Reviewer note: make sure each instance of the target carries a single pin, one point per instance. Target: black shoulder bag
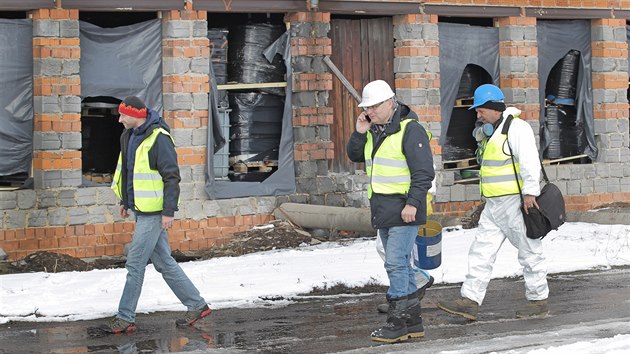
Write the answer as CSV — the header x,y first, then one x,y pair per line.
x,y
539,222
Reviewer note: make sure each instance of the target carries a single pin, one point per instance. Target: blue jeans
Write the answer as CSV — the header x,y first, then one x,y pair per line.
x,y
398,242
150,241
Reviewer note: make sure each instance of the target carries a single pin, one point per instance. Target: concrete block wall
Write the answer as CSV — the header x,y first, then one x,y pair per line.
x,y
585,186
606,180
56,101
417,75
312,117
59,216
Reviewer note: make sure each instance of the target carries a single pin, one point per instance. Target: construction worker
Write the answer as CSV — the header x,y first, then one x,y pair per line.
x,y
501,217
146,181
395,149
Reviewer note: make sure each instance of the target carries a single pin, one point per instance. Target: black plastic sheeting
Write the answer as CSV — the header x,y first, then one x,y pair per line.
x,y
16,96
255,123
280,182
562,81
472,77
459,143
461,45
219,46
255,116
566,135
247,64
555,40
122,61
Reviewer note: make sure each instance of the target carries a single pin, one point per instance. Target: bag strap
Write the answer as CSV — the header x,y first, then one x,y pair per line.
x,y
520,191
542,167
506,127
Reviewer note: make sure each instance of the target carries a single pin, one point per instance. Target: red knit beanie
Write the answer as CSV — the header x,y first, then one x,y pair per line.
x,y
133,107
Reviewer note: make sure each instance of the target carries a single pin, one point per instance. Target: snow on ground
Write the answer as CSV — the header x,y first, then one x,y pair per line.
x,y
246,280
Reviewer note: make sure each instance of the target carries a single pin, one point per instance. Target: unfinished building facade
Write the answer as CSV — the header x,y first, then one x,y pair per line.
x,y
259,117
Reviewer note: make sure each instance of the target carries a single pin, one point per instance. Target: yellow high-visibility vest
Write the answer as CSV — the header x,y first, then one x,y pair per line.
x,y
388,170
497,172
148,187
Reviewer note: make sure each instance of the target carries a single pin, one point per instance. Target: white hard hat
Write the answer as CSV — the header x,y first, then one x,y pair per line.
x,y
376,92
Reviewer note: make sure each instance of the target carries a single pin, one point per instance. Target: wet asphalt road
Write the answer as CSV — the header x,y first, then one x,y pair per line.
x,y
343,323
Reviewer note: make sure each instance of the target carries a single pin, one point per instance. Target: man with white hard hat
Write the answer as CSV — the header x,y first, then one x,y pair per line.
x,y
398,161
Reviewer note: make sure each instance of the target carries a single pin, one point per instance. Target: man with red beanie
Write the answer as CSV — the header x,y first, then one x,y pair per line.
x,y
147,181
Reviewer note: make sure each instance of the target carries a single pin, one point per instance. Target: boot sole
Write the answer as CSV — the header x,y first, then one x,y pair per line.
x,y
392,340
191,322
126,330
415,335
463,314
415,331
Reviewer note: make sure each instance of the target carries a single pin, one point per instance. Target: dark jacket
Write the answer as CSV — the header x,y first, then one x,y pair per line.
x,y
386,209
162,157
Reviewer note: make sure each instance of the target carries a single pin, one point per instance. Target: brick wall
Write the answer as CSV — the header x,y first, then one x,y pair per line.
x,y
606,179
84,222
585,186
57,105
312,117
58,216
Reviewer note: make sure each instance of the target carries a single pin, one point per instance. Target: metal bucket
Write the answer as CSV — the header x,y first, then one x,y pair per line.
x,y
427,252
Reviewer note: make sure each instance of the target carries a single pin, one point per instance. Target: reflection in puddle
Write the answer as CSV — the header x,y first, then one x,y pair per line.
x,y
298,328
179,344
150,340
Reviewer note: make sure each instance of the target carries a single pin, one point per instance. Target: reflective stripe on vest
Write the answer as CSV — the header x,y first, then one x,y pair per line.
x,y
497,173
148,187
388,170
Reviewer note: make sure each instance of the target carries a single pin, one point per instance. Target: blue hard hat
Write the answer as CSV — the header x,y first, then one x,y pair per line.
x,y
487,93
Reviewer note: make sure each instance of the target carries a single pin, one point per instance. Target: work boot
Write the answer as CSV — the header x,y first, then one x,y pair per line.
x,y
534,308
192,316
463,306
118,325
415,329
382,308
395,329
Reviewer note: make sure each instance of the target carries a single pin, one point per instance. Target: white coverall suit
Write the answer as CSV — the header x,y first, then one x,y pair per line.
x,y
502,218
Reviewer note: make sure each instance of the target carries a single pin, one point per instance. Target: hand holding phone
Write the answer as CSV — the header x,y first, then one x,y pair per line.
x,y
363,123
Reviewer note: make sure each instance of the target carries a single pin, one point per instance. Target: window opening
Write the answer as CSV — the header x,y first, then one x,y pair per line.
x,y
17,118
13,14
459,148
100,138
116,19
473,21
100,129
565,133
251,95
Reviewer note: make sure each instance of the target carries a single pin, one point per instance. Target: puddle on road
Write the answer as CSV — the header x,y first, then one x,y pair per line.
x,y
324,325
73,339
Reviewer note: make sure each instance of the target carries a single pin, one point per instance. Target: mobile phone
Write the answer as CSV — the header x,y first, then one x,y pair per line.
x,y
368,118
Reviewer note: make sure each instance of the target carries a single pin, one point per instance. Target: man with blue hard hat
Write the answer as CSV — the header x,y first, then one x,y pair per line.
x,y
503,179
